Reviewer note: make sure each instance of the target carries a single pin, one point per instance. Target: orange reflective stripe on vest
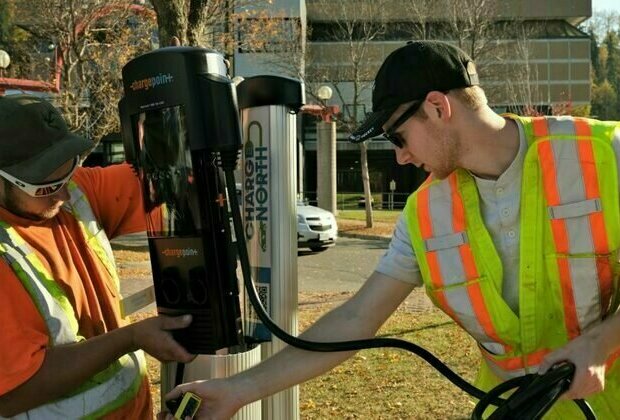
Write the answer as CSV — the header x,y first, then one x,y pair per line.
x,y
451,262
576,219
513,367
611,360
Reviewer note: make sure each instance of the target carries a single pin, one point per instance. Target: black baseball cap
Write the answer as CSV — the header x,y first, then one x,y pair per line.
x,y
408,74
34,138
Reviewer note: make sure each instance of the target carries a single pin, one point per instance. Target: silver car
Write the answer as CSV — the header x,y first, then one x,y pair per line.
x,y
316,228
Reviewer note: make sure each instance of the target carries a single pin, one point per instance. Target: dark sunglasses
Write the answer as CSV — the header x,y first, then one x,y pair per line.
x,y
391,135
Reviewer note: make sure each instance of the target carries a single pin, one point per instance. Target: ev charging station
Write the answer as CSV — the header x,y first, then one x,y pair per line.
x,y
268,169
181,128
183,136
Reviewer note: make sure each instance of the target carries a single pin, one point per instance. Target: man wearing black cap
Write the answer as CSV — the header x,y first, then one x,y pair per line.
x,y
515,235
64,352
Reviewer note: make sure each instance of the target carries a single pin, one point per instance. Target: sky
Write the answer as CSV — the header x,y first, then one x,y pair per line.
x,y
600,5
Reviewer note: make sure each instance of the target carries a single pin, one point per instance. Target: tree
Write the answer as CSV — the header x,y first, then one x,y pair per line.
x,y
605,101
605,57
602,22
185,18
475,27
468,23
612,44
224,25
355,25
519,81
276,40
5,26
91,39
472,25
14,41
595,57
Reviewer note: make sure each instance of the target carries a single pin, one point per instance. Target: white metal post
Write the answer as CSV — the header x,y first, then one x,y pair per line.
x,y
269,174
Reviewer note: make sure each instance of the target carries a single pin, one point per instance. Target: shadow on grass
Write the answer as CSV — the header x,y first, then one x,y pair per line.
x,y
401,333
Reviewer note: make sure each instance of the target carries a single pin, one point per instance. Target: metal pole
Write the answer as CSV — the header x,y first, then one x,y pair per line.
x,y
269,171
326,165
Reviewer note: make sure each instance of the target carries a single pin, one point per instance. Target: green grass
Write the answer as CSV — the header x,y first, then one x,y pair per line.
x,y
394,384
388,216
384,383
351,200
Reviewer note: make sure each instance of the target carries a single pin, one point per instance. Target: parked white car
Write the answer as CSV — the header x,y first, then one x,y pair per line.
x,y
316,228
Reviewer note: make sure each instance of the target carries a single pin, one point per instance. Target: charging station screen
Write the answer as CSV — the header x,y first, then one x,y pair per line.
x,y
166,173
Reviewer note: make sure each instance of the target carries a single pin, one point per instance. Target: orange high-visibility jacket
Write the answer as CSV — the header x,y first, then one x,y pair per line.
x,y
110,388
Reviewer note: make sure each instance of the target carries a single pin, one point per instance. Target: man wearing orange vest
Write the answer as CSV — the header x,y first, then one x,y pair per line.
x,y
515,236
65,351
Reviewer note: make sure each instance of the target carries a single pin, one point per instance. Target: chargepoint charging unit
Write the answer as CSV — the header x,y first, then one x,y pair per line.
x,y
179,118
179,115
182,134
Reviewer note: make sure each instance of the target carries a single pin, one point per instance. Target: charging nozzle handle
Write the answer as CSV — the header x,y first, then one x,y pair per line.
x,y
533,396
221,116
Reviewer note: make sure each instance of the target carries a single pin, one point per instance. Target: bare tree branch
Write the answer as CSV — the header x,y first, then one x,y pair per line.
x,y
82,33
354,25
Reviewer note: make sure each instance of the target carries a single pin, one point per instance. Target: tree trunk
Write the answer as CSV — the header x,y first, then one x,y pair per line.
x,y
366,183
171,21
196,20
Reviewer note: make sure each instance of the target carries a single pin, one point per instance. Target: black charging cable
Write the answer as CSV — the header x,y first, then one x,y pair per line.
x,y
537,390
533,395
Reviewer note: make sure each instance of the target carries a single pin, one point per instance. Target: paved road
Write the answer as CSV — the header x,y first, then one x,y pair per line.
x,y
342,268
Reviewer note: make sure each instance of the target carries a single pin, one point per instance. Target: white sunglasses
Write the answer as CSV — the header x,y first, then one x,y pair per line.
x,y
41,190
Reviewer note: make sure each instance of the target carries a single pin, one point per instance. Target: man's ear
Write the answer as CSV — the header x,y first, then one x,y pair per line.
x,y
439,105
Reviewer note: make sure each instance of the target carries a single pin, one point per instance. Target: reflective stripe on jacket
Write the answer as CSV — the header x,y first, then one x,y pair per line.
x,y
570,236
120,381
95,236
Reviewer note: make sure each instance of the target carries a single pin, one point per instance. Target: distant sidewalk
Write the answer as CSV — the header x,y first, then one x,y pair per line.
x,y
357,229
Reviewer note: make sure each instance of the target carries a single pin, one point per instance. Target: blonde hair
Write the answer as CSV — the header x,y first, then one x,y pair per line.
x,y
473,97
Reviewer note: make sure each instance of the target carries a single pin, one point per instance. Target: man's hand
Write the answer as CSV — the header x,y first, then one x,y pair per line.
x,y
589,356
53,380
358,318
218,399
154,337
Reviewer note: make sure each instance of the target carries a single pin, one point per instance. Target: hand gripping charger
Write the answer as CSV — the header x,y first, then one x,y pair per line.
x,y
178,116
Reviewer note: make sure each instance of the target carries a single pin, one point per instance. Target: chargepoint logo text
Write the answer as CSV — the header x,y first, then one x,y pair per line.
x,y
256,187
151,82
180,252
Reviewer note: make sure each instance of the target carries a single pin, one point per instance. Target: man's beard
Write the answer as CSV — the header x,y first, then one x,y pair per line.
x,y
11,203
450,150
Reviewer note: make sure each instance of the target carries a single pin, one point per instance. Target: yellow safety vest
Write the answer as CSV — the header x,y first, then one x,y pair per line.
x,y
568,272
120,381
